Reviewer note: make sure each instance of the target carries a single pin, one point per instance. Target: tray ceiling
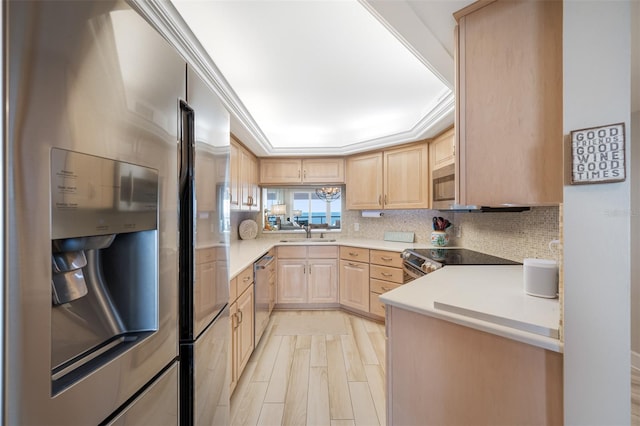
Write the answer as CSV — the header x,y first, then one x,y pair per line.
x,y
331,77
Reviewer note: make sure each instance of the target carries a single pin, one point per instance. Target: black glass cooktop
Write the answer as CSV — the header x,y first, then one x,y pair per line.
x,y
460,257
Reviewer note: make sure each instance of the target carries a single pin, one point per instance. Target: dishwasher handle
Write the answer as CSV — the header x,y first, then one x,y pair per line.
x,y
264,262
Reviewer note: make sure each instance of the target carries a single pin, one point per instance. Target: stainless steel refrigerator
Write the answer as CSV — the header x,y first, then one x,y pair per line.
x,y
93,124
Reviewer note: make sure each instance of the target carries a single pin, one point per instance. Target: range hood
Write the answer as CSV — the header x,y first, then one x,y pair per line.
x,y
470,208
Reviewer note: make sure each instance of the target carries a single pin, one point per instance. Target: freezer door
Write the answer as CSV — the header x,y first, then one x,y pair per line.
x,y
155,406
91,77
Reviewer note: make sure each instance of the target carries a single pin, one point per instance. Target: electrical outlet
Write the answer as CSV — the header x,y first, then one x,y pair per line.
x,y
457,230
356,227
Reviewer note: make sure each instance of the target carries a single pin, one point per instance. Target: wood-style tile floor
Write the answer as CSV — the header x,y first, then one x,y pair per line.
x,y
314,368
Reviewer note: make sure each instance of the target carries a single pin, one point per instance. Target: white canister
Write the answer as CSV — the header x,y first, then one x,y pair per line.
x,y
541,278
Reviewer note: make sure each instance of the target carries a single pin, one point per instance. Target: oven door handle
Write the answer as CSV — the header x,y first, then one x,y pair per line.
x,y
412,273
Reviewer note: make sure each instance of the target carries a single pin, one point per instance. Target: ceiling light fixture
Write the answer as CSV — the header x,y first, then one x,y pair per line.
x,y
328,194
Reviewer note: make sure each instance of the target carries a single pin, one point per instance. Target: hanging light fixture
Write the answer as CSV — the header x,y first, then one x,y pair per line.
x,y
328,193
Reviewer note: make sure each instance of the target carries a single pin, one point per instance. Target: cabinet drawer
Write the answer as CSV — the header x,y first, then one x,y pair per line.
x,y
386,258
323,252
292,252
245,278
354,253
386,273
379,286
205,255
376,307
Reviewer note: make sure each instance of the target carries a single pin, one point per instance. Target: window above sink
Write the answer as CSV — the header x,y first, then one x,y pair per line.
x,y
291,209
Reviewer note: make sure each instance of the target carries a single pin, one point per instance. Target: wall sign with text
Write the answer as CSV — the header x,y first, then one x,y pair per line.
x,y
597,154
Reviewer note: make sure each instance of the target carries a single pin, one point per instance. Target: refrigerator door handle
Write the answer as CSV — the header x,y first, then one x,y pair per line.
x,y
186,140
187,220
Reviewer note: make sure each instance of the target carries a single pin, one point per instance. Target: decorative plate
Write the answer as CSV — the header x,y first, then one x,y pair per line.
x,y
248,229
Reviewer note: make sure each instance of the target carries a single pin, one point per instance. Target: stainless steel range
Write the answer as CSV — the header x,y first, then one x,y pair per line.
x,y
419,262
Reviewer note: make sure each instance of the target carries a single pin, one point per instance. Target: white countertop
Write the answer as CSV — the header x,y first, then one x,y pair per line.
x,y
243,253
489,298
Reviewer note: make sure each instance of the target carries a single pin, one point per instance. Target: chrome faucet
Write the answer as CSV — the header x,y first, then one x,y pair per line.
x,y
308,230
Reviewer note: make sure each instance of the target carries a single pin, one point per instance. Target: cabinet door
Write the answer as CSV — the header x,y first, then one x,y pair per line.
x,y
245,328
323,170
280,170
323,280
406,178
354,285
233,315
249,170
292,281
235,186
245,178
442,150
254,189
364,181
510,104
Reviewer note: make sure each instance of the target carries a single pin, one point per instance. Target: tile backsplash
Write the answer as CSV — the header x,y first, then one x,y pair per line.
x,y
514,236
416,221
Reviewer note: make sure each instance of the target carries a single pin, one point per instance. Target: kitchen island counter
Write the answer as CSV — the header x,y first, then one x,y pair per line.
x,y
488,298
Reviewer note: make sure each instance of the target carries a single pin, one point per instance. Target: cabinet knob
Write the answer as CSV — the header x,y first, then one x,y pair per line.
x,y
380,199
386,274
386,258
351,253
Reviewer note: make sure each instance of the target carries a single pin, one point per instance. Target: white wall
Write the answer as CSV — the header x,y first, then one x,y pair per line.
x,y
635,183
597,264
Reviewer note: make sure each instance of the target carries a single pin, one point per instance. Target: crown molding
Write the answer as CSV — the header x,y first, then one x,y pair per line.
x,y
163,16
425,32
438,119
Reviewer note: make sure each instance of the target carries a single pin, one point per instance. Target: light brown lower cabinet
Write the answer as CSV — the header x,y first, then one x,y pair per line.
x,y
441,373
354,285
307,275
242,327
386,274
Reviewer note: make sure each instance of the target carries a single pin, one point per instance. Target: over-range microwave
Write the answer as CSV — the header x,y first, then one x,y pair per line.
x,y
443,187
444,194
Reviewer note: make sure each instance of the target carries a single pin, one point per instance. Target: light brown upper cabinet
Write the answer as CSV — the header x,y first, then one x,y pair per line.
x,y
308,170
244,191
509,102
234,177
442,150
392,179
442,164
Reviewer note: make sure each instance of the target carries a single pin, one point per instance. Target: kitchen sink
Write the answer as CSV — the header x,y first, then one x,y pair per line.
x,y
308,240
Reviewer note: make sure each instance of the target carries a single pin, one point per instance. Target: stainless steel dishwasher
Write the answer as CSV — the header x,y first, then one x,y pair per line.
x,y
265,291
